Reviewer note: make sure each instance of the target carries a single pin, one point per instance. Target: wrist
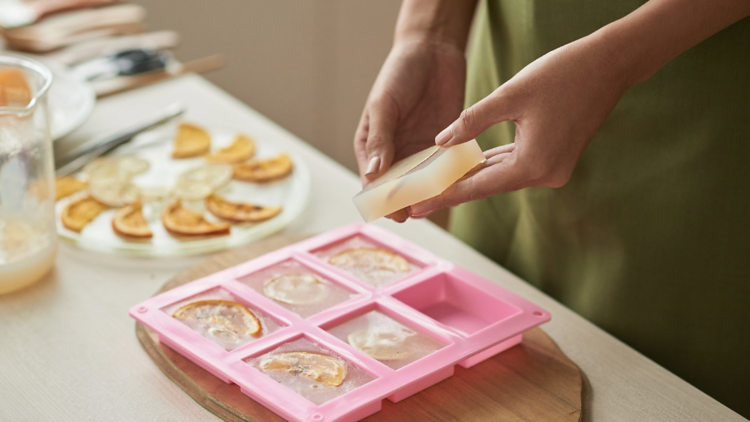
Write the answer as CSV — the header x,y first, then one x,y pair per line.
x,y
435,22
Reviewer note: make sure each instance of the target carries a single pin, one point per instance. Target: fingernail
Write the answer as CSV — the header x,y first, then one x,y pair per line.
x,y
373,166
446,135
414,214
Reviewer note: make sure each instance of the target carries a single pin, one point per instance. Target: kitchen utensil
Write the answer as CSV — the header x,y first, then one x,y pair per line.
x,y
123,63
112,86
473,318
82,155
27,191
534,381
86,50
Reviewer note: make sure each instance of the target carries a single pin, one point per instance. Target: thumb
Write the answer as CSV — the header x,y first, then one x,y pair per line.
x,y
379,145
492,109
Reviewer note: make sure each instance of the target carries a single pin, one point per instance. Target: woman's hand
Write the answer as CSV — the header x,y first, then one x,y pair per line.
x,y
419,91
557,103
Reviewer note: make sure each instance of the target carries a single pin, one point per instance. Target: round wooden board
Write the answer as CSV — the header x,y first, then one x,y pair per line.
x,y
533,381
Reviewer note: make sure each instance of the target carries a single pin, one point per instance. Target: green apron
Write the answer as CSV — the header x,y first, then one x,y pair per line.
x,y
650,239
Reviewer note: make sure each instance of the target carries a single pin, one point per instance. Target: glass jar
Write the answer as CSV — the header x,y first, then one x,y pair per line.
x,y
28,240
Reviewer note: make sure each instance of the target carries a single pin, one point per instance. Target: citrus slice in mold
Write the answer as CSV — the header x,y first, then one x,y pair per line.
x,y
241,149
315,366
295,289
78,214
130,222
223,319
182,221
368,260
382,344
190,141
262,171
241,212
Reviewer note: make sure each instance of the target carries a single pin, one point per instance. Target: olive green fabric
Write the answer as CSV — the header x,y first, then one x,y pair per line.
x,y
650,239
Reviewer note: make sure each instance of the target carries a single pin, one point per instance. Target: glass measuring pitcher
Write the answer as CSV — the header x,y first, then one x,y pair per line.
x,y
28,241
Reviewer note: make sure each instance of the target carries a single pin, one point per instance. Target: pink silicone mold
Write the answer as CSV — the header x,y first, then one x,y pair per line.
x,y
463,318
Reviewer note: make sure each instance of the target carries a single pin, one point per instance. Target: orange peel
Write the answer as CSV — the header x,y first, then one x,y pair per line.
x,y
241,149
262,171
78,214
182,221
240,212
130,222
190,141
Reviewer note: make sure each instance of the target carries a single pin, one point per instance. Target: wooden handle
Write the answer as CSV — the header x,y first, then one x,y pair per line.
x,y
113,86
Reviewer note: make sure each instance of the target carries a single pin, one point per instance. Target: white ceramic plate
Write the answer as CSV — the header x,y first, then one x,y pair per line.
x,y
71,101
156,147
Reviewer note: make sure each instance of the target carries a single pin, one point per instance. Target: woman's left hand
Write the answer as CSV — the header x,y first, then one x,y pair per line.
x,y
557,103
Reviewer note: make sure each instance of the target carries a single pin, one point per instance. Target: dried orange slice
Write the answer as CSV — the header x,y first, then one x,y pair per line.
x,y
242,148
130,222
78,214
191,141
321,368
264,170
295,289
14,88
182,221
68,185
240,212
367,260
223,319
382,344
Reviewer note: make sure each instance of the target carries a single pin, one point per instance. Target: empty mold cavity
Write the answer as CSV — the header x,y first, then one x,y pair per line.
x,y
385,339
367,261
310,370
455,303
297,288
213,315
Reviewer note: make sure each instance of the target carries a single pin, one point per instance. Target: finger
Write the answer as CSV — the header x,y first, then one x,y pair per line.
x,y
500,174
504,149
399,216
360,140
492,109
383,118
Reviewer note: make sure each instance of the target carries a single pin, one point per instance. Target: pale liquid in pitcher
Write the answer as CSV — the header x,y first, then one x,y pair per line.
x,y
26,253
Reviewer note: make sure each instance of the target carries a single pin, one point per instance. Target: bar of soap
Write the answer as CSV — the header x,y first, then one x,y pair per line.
x,y
416,178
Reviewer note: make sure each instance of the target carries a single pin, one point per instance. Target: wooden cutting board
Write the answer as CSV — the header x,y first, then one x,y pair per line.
x,y
533,381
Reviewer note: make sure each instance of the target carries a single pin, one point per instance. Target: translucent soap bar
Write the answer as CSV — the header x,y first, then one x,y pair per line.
x,y
416,178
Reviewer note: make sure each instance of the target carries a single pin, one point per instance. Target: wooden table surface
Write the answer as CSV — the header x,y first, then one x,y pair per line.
x,y
68,350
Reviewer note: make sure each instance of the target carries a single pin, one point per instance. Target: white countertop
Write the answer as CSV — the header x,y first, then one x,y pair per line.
x,y
68,350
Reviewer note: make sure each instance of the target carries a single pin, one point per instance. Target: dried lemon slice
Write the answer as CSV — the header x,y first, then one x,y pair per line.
x,y
15,90
80,213
153,193
116,168
264,170
190,141
382,344
240,212
322,368
215,175
295,289
68,185
113,192
130,222
182,221
223,319
242,148
368,260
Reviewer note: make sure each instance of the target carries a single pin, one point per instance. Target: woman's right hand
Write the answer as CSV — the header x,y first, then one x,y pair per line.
x,y
419,91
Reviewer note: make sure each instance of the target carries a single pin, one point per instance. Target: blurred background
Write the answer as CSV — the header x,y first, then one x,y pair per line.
x,y
307,65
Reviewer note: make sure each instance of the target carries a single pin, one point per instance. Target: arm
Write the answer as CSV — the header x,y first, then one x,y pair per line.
x,y
420,88
559,101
